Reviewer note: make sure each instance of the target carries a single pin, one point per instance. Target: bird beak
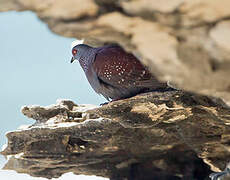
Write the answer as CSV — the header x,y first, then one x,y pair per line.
x,y
72,60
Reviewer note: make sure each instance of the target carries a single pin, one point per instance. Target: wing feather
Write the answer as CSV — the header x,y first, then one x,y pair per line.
x,y
119,69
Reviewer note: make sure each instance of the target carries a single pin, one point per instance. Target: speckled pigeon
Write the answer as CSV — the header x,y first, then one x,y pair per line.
x,y
115,73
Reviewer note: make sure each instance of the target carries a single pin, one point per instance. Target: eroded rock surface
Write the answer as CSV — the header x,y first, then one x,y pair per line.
x,y
170,135
162,135
183,41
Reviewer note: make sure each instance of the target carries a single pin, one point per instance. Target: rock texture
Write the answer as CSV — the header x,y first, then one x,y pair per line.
x,y
185,42
170,135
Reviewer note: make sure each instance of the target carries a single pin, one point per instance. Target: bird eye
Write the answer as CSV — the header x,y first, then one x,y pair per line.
x,y
74,52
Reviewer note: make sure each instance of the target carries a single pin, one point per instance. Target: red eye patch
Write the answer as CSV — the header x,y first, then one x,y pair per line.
x,y
74,52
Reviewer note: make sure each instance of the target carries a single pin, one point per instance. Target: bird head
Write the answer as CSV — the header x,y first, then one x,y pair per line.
x,y
77,50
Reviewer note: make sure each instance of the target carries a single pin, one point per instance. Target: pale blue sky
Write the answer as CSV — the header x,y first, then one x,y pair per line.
x,y
35,69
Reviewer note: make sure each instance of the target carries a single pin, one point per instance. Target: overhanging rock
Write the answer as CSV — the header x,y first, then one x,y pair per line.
x,y
181,41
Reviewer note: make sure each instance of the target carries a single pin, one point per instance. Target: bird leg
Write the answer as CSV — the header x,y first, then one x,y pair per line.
x,y
105,103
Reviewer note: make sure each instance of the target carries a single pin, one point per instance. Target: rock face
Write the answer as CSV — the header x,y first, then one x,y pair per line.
x,y
169,135
185,42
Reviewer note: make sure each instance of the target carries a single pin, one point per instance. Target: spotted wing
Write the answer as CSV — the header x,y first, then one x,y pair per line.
x,y
119,69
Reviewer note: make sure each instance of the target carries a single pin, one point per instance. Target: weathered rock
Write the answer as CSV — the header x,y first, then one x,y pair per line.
x,y
165,135
162,135
184,42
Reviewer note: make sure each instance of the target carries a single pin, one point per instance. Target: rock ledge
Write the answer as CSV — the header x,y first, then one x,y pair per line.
x,y
170,135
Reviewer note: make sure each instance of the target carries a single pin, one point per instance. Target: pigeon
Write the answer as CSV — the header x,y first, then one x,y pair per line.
x,y
115,73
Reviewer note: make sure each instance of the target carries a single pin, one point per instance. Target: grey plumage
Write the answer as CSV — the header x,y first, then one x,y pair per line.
x,y
115,73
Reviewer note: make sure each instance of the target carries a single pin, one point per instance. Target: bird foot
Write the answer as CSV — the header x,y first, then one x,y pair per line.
x,y
221,175
102,104
105,103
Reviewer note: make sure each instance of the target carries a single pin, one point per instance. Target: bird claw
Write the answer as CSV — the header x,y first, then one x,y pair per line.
x,y
105,103
102,104
221,175
217,176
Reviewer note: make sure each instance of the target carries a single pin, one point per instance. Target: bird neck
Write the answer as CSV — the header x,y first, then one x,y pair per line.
x,y
87,58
